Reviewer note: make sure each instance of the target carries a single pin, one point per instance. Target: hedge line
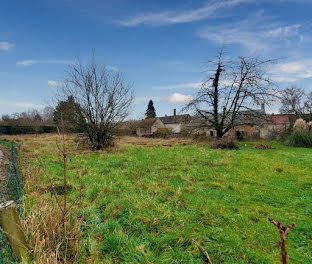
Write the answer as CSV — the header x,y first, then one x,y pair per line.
x,y
17,130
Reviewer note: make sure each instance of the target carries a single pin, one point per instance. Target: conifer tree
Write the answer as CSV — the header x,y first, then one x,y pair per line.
x,y
150,111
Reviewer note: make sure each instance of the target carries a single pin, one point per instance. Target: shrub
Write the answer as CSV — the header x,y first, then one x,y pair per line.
x,y
300,125
224,144
162,133
202,137
300,139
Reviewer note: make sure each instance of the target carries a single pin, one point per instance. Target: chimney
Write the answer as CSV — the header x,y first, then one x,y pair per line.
x,y
174,115
263,108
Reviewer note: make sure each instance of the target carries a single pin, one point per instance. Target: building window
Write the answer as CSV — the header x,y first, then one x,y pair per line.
x,y
211,133
240,134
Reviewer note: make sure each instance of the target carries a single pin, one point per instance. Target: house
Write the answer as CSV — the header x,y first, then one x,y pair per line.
x,y
126,127
276,124
149,126
175,123
247,124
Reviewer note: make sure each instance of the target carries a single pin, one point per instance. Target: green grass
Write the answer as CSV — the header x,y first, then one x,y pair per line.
x,y
6,143
146,204
6,255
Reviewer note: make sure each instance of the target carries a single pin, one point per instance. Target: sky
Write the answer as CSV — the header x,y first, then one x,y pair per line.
x,y
160,46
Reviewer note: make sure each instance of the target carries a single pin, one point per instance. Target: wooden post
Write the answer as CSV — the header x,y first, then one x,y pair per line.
x,y
11,225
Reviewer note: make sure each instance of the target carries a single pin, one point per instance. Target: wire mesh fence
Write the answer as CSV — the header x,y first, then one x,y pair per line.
x,y
10,190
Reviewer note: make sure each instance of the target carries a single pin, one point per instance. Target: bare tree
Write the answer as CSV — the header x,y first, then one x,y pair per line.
x,y
232,92
308,104
47,115
292,100
104,97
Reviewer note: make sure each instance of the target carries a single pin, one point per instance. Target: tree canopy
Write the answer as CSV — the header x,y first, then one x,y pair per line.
x,y
150,111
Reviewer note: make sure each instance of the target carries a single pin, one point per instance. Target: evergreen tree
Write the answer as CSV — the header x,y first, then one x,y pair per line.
x,y
150,111
71,113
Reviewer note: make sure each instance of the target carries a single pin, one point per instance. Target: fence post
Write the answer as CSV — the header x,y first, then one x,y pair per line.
x,y
11,225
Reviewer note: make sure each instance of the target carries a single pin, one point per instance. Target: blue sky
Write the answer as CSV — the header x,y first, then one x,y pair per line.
x,y
160,46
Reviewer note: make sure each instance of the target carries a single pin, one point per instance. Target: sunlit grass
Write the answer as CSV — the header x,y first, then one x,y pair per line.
x,y
146,203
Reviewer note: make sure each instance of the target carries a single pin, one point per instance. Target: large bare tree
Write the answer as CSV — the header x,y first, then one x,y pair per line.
x,y
293,101
231,92
308,104
104,97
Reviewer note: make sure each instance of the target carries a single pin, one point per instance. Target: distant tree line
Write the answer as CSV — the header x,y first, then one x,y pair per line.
x,y
28,122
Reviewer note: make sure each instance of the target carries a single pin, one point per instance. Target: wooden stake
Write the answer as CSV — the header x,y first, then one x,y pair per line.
x,y
11,225
283,235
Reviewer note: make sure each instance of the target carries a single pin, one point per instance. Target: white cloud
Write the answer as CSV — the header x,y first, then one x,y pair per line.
x,y
209,10
21,104
112,68
32,62
178,86
292,71
255,33
179,98
4,45
55,83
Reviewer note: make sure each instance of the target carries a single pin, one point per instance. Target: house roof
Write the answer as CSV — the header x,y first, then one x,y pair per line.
x,y
279,119
146,123
170,119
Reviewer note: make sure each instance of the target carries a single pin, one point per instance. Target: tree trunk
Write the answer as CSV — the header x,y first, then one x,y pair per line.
x,y
219,133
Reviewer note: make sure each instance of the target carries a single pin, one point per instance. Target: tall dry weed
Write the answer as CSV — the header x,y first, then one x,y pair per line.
x,y
52,227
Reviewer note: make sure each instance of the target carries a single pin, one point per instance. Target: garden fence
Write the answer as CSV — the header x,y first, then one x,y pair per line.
x,y
10,190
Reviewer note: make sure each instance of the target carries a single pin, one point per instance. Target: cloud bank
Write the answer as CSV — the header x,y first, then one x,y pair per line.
x,y
210,10
32,62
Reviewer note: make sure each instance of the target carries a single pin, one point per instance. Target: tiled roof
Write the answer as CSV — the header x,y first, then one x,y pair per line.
x,y
170,119
279,119
146,123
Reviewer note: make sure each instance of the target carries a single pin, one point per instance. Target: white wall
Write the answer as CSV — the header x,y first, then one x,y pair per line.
x,y
175,128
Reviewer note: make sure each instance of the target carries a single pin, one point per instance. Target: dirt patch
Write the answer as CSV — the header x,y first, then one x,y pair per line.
x,y
261,146
142,141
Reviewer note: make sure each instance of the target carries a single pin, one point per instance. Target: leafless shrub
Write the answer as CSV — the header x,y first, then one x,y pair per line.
x,y
104,99
224,144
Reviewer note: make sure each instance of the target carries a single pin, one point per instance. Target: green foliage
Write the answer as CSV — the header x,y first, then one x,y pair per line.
x,y
6,254
300,139
71,113
150,111
146,204
6,143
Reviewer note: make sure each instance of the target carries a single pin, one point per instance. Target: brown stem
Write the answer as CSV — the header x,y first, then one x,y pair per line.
x,y
283,235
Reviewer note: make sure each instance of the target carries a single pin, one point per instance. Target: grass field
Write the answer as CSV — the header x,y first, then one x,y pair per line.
x,y
146,200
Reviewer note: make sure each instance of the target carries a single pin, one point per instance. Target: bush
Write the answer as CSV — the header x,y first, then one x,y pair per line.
x,y
300,139
224,144
162,133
